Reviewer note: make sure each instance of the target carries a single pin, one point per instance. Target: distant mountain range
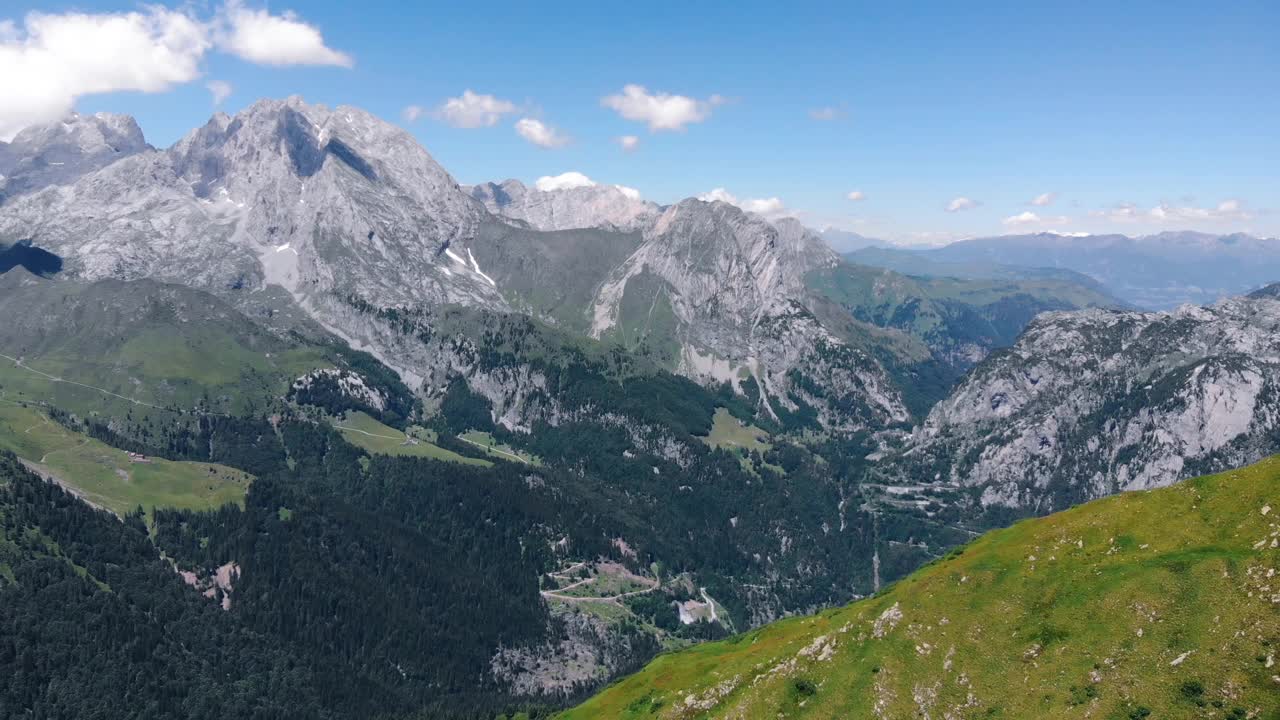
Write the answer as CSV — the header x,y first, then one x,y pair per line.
x,y
1155,272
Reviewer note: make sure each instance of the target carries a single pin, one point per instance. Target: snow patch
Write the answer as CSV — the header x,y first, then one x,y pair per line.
x,y
476,266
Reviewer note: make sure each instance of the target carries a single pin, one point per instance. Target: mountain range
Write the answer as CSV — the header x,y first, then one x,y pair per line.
x,y
543,432
331,205
1153,272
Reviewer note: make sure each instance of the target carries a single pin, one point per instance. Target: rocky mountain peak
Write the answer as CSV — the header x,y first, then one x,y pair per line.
x,y
83,135
60,152
499,196
568,202
1268,291
274,141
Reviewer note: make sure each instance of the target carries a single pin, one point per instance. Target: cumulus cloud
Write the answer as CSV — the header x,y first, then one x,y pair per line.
x,y
770,207
563,181
473,110
1227,210
660,111
411,113
220,90
1044,199
629,142
53,59
764,206
958,204
630,192
718,195
827,114
856,195
260,37
540,134
1028,218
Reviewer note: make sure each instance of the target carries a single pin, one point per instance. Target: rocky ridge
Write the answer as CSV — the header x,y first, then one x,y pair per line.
x,y
331,205
582,206
1094,402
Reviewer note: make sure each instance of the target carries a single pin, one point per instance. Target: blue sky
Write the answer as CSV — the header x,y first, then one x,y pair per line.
x,y
1140,118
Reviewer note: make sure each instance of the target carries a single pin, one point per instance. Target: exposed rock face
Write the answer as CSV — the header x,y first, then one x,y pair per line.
x,y
1095,402
284,193
587,206
334,204
58,153
330,205
735,285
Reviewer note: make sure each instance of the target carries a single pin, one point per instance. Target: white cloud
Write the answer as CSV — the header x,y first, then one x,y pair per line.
x,y
563,181
1044,199
770,207
220,90
1124,212
1026,218
661,111
411,113
540,134
827,114
764,206
958,204
856,195
718,195
266,39
54,59
629,142
473,110
574,179
1227,210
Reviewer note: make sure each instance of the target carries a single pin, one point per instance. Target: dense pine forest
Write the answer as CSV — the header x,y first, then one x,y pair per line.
x,y
371,585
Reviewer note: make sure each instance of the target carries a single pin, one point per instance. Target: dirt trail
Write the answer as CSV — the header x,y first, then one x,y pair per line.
x,y
610,599
365,432
45,457
710,603
490,448
18,363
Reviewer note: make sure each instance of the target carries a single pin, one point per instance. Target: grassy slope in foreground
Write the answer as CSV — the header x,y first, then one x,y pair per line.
x,y
1161,604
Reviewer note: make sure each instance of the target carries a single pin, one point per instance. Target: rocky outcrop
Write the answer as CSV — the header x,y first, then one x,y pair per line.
x,y
735,284
59,153
567,208
1095,402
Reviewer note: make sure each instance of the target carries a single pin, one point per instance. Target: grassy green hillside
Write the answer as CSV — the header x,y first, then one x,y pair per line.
x,y
375,438
108,478
1160,604
140,348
